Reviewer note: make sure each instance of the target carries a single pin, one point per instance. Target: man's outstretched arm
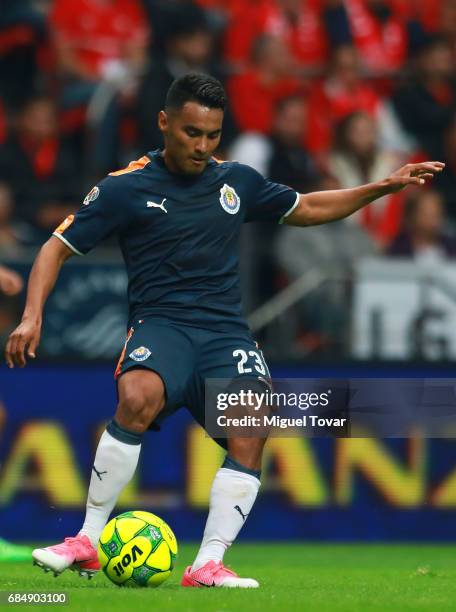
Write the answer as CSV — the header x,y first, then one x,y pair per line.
x,y
324,206
25,338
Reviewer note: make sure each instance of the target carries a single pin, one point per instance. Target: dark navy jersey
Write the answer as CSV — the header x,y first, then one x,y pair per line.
x,y
179,234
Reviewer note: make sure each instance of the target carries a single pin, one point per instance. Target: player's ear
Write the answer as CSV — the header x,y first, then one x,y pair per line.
x,y
162,121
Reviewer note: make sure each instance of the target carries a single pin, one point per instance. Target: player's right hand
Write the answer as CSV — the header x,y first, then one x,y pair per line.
x,y
22,343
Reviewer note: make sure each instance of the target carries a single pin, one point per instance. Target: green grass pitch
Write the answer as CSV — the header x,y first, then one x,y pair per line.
x,y
300,576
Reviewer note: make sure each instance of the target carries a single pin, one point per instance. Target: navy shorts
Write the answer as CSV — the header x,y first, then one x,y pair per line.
x,y
185,356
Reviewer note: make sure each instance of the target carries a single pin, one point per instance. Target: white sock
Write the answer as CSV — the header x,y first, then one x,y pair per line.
x,y
115,463
232,493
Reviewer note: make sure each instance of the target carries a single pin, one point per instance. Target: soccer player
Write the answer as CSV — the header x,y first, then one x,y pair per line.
x,y
178,215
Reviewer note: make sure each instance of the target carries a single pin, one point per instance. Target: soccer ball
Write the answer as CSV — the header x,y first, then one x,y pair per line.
x,y
137,549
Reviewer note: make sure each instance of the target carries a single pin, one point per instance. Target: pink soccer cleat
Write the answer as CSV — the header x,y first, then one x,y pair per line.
x,y
76,554
213,574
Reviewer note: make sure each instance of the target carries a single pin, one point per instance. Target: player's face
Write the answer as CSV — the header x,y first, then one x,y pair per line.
x,y
191,136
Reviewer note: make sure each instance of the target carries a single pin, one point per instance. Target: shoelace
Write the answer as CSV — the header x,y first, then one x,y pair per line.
x,y
69,540
220,567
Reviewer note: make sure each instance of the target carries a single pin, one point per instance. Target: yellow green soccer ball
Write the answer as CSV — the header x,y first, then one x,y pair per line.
x,y
137,549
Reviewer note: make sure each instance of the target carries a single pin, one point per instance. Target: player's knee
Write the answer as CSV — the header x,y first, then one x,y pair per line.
x,y
136,410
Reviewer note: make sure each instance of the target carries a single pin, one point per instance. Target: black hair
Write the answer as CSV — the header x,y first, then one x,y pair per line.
x,y
187,20
195,87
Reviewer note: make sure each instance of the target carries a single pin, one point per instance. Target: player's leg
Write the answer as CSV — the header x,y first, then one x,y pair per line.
x,y
146,380
141,398
232,496
237,482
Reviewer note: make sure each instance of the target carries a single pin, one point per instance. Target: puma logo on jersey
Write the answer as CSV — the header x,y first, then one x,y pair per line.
x,y
155,205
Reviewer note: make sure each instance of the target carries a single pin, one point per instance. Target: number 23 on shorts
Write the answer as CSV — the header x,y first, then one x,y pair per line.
x,y
249,361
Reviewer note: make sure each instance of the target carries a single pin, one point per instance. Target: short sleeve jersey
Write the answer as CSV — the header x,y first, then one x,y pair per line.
x,y
179,235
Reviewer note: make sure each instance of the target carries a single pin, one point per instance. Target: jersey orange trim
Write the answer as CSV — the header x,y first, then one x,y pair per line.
x,y
137,164
219,161
122,355
64,225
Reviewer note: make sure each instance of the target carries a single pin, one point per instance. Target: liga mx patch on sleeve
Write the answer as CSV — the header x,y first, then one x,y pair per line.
x,y
140,354
91,196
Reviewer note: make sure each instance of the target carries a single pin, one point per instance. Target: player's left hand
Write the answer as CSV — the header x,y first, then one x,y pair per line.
x,y
413,174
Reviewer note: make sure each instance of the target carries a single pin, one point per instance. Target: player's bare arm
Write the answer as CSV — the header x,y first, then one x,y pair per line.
x,y
324,206
24,340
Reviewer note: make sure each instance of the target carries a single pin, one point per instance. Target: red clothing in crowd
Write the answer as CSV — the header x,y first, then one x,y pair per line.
x,y
384,227
99,30
229,6
382,47
306,39
19,36
253,103
328,103
42,158
427,12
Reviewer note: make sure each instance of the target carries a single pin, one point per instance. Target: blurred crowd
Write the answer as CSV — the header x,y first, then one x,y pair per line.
x,y
323,94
